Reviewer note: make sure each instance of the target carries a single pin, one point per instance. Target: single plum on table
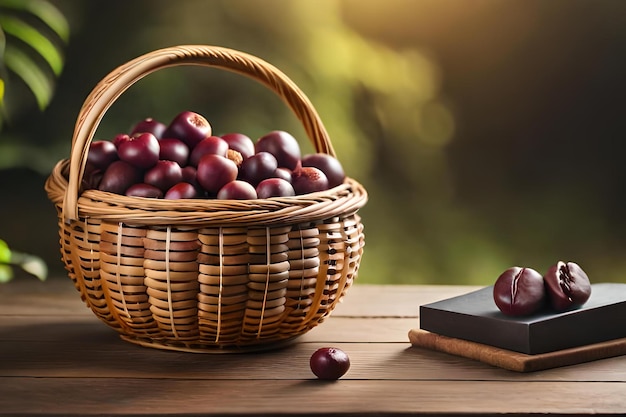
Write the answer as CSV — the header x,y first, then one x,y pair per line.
x,y
329,363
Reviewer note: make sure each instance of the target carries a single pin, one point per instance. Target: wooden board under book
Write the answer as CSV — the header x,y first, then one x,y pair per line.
x,y
471,326
515,361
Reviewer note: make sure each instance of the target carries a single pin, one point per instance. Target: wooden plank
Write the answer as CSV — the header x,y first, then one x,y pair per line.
x,y
31,297
365,330
394,300
141,397
86,350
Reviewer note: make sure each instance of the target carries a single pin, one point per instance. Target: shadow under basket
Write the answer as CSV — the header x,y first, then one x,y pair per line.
x,y
206,275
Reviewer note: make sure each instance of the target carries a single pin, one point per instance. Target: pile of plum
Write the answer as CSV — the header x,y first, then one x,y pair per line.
x,y
183,159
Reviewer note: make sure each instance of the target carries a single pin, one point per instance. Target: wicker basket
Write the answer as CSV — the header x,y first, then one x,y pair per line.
x,y
206,275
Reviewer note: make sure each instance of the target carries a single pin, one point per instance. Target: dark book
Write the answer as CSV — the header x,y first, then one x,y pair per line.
x,y
475,317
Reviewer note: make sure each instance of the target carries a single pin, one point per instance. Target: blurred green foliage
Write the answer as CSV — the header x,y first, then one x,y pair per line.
x,y
32,33
466,123
31,264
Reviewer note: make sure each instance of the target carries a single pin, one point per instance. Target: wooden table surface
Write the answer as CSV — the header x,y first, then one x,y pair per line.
x,y
56,358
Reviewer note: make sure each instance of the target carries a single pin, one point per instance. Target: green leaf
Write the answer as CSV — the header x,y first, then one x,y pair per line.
x,y
3,41
19,52
6,273
34,265
22,65
45,11
2,48
35,39
5,253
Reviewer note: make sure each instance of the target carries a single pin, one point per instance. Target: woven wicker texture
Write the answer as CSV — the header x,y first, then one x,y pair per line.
x,y
206,275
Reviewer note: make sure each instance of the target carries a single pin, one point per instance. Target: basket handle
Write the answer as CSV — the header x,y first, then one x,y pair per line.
x,y
119,80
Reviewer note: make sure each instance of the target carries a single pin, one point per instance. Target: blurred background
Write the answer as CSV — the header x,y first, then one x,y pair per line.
x,y
488,133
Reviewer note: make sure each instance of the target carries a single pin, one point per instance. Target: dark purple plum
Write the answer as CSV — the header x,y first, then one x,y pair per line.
x,y
120,138
237,190
188,126
209,145
328,164
164,175
91,177
567,285
283,146
240,143
181,190
119,176
274,187
214,172
142,151
149,125
174,150
144,190
519,291
308,180
258,167
189,175
102,153
329,363
283,173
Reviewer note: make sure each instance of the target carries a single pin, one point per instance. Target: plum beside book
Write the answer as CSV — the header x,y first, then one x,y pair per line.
x,y
475,317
